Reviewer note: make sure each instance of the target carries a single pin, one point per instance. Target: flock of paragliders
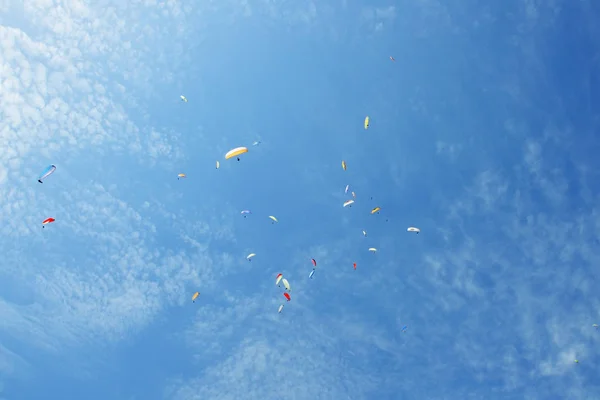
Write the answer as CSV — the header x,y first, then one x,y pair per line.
x,y
237,152
279,279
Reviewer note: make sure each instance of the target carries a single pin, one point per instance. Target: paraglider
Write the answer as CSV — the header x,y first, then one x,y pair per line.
x,y
346,190
353,195
354,266
413,229
47,221
180,176
373,249
278,279
218,165
244,212
375,210
273,219
344,165
46,173
183,98
365,233
195,296
392,58
367,122
314,262
311,274
280,308
286,284
348,203
256,143
235,152
404,328
249,256
287,296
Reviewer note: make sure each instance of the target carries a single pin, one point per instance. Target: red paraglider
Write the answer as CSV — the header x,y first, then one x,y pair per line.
x,y
314,262
47,221
287,296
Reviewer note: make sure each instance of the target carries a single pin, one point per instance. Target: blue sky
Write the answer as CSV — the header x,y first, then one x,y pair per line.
x,y
483,134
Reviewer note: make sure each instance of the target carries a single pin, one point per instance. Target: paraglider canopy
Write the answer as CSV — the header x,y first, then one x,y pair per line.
x,y
235,152
195,296
47,172
287,296
367,122
47,221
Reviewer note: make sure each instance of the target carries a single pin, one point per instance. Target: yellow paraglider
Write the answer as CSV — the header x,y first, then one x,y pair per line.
x,y
376,209
180,176
367,122
195,296
235,152
344,165
273,218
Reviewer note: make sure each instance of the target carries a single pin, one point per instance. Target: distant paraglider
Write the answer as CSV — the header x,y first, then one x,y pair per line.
x,y
236,152
46,173
47,221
